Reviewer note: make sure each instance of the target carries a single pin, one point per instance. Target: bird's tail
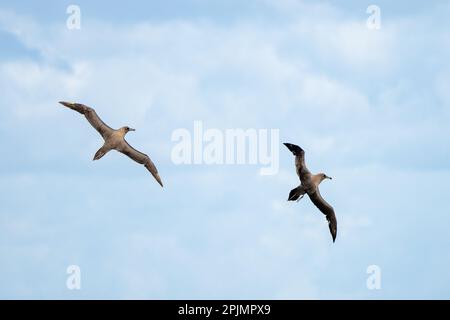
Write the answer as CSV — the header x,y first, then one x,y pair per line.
x,y
296,150
100,153
296,193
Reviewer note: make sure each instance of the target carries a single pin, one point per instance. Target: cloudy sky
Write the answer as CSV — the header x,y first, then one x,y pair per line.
x,y
370,107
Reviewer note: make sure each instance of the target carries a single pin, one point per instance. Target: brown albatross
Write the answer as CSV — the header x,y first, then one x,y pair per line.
x,y
114,139
309,183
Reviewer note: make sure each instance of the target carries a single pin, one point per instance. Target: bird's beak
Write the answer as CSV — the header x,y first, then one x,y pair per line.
x,y
131,129
67,104
330,178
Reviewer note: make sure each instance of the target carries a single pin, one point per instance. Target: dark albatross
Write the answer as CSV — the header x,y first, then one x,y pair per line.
x,y
114,139
309,183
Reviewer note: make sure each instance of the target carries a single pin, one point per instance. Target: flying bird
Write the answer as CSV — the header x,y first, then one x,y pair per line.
x,y
309,184
114,139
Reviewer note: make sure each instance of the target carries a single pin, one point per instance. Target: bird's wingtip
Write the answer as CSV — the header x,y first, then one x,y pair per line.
x,y
158,179
295,149
64,103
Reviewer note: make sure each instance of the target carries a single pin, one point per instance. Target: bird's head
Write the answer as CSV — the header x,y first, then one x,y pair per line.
x,y
126,129
323,176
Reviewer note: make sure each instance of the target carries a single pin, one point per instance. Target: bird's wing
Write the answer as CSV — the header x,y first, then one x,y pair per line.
x,y
139,157
91,116
296,150
327,210
300,164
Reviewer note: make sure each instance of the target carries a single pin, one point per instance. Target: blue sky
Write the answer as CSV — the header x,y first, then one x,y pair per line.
x,y
370,107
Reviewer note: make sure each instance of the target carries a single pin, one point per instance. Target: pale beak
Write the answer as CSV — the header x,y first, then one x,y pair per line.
x,y
131,129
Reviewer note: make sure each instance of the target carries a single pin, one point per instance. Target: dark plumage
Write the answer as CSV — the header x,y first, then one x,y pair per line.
x,y
309,184
114,139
